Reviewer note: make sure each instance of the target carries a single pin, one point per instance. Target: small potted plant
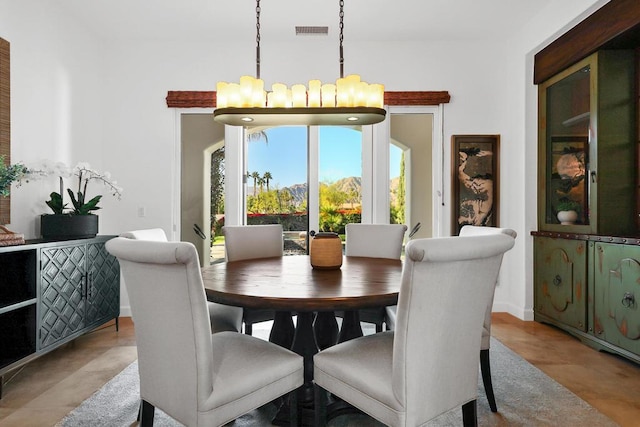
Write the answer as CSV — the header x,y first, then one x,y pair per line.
x,y
10,174
567,211
79,221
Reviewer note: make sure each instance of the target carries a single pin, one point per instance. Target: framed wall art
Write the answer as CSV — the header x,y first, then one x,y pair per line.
x,y
474,180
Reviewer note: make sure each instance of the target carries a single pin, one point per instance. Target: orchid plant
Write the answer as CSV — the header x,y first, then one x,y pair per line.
x,y
84,174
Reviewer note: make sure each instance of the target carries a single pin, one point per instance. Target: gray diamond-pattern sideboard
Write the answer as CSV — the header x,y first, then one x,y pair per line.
x,y
51,293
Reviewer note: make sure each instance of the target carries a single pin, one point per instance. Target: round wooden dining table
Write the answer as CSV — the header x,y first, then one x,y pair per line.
x,y
289,284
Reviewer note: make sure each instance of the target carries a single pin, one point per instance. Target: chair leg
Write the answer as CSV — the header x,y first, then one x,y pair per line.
x,y
320,415
470,414
485,369
248,328
378,327
146,414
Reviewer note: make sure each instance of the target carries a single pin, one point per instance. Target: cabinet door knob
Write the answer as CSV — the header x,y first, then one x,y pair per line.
x,y
628,300
557,280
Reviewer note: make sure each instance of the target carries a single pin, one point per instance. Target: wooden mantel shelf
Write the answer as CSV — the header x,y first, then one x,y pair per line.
x,y
207,99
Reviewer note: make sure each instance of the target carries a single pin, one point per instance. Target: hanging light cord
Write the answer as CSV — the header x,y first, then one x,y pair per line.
x,y
341,26
257,39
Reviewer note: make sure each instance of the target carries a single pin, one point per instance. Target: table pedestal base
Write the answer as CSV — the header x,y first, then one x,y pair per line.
x,y
305,343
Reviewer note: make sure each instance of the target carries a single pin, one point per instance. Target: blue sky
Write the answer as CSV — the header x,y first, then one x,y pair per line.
x,y
285,156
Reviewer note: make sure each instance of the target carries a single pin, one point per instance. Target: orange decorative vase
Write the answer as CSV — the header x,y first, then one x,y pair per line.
x,y
325,251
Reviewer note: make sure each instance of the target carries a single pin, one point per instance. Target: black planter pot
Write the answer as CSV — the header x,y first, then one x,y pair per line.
x,y
66,226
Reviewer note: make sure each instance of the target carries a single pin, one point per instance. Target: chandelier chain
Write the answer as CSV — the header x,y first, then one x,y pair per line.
x,y
257,39
341,26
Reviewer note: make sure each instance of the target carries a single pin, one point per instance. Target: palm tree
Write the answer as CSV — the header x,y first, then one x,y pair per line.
x,y
261,183
257,135
267,176
256,177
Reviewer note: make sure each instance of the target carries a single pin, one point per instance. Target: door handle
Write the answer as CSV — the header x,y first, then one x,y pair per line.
x,y
199,232
414,230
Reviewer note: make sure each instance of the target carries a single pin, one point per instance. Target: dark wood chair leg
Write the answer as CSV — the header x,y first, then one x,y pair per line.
x,y
485,369
146,414
320,415
470,414
248,328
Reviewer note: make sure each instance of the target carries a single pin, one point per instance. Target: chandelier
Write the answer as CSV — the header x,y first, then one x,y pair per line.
x,y
347,101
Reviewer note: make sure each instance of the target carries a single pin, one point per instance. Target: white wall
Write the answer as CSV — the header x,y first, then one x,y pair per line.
x,y
519,149
77,98
57,91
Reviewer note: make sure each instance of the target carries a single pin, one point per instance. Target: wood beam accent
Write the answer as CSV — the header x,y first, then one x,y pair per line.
x,y
417,98
207,99
603,26
5,123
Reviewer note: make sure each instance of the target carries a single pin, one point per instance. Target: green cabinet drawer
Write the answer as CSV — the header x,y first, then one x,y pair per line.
x,y
560,280
616,295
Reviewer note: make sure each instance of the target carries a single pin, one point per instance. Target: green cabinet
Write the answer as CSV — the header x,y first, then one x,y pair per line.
x,y
615,286
589,286
560,277
587,146
586,265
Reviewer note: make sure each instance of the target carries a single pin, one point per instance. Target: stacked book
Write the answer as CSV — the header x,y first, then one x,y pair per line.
x,y
9,238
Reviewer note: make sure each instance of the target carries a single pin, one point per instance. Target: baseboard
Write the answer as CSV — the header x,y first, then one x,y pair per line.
x,y
519,312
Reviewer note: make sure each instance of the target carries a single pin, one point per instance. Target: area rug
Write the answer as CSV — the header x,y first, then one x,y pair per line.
x,y
525,396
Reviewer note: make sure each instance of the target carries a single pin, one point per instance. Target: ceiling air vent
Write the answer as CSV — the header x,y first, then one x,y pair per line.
x,y
311,31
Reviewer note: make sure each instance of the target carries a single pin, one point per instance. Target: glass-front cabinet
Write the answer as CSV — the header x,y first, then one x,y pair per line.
x,y
587,147
587,246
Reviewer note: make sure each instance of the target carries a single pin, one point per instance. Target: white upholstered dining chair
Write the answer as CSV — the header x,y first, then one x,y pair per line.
x,y
411,375
222,317
196,377
485,367
374,241
243,242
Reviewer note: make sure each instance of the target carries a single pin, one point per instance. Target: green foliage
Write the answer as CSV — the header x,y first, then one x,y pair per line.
x,y
331,196
10,174
217,182
80,207
56,204
400,204
566,204
268,206
396,215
